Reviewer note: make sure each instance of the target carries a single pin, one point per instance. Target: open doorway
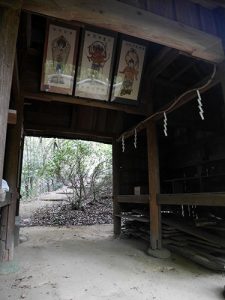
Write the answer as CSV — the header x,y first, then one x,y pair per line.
x,y
65,182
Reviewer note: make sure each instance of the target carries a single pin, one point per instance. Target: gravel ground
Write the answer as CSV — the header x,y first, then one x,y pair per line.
x,y
87,263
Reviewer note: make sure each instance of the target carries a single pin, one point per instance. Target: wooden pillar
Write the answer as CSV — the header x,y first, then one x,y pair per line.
x,y
12,163
116,208
9,23
154,187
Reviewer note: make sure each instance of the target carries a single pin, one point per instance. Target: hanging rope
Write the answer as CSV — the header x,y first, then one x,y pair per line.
x,y
141,125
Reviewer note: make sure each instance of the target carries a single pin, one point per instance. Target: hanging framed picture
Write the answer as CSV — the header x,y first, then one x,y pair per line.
x,y
95,64
129,69
59,61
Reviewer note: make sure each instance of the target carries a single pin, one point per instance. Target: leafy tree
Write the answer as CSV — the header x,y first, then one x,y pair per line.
x,y
84,167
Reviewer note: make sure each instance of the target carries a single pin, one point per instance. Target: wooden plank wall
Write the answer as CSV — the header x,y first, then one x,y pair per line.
x,y
185,11
133,165
192,156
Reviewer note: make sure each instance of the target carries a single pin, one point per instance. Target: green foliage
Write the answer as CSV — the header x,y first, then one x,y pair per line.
x,y
84,167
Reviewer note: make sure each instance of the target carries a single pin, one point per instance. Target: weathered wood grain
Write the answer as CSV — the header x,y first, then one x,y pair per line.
x,y
154,186
203,199
135,22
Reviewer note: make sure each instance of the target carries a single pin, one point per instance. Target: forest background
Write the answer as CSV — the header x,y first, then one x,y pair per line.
x,y
83,169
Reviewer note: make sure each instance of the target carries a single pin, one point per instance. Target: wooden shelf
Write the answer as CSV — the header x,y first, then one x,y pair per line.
x,y
202,199
132,199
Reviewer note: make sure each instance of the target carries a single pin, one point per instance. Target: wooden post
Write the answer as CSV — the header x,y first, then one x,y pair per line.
x,y
154,187
9,23
12,163
116,208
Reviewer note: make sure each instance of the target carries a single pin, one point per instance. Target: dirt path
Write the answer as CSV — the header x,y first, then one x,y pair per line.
x,y
85,262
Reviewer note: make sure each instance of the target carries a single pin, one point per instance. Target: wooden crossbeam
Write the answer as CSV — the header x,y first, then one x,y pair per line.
x,y
85,102
123,18
202,199
133,199
67,132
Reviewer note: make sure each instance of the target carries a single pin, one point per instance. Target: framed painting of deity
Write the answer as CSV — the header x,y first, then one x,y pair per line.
x,y
129,69
94,74
59,61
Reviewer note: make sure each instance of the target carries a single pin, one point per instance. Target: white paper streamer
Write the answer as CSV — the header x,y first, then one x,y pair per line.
x,y
165,124
123,144
201,111
135,138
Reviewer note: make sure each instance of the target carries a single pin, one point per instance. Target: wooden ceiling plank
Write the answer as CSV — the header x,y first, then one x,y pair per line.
x,y
12,4
210,4
135,22
166,57
182,71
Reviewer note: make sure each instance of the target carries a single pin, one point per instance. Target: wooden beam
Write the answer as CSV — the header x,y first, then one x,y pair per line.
x,y
203,199
136,22
133,199
86,102
67,132
154,187
12,117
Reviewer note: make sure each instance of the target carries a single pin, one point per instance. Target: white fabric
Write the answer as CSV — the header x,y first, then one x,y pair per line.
x,y
5,186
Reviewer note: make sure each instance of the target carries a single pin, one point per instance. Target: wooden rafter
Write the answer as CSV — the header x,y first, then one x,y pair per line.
x,y
162,61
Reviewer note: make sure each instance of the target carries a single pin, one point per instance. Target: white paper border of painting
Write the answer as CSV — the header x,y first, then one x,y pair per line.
x,y
58,69
129,71
95,73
